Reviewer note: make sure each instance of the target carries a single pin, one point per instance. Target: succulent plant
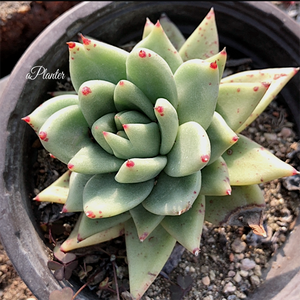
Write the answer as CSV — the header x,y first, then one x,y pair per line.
x,y
152,140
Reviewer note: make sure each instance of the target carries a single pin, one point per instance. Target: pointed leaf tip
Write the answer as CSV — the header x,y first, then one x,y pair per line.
x,y
85,40
71,45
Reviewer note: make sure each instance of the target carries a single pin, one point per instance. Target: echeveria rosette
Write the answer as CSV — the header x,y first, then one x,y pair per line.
x,y
153,145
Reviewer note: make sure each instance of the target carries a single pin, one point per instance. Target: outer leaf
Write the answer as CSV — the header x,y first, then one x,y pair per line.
x,y
158,42
187,228
203,42
140,169
104,197
261,164
151,73
172,31
144,141
57,192
145,260
74,202
221,137
191,151
236,101
168,123
38,117
92,159
173,195
278,78
144,221
94,60
197,84
244,207
64,133
72,243
220,59
215,179
128,96
89,227
96,99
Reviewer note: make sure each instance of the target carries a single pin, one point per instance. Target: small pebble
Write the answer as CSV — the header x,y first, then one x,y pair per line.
x,y
255,280
247,264
237,278
212,275
286,132
257,270
206,280
231,274
240,256
229,287
238,245
244,273
240,295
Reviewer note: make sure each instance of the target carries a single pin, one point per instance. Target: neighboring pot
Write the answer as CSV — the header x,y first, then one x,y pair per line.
x,y
248,29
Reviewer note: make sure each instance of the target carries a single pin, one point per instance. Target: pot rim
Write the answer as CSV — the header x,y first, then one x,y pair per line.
x,y
20,240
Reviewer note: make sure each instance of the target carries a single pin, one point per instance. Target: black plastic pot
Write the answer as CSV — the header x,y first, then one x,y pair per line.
x,y
248,29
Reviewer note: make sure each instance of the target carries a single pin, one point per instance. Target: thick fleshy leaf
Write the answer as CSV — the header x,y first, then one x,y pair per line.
x,y
173,195
57,192
197,102
203,42
96,99
260,163
187,228
145,222
168,123
244,207
105,123
151,73
172,31
128,96
72,243
140,169
64,133
191,151
220,59
105,197
158,42
236,101
146,259
38,117
74,202
144,141
94,60
92,159
221,137
215,179
89,227
278,77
